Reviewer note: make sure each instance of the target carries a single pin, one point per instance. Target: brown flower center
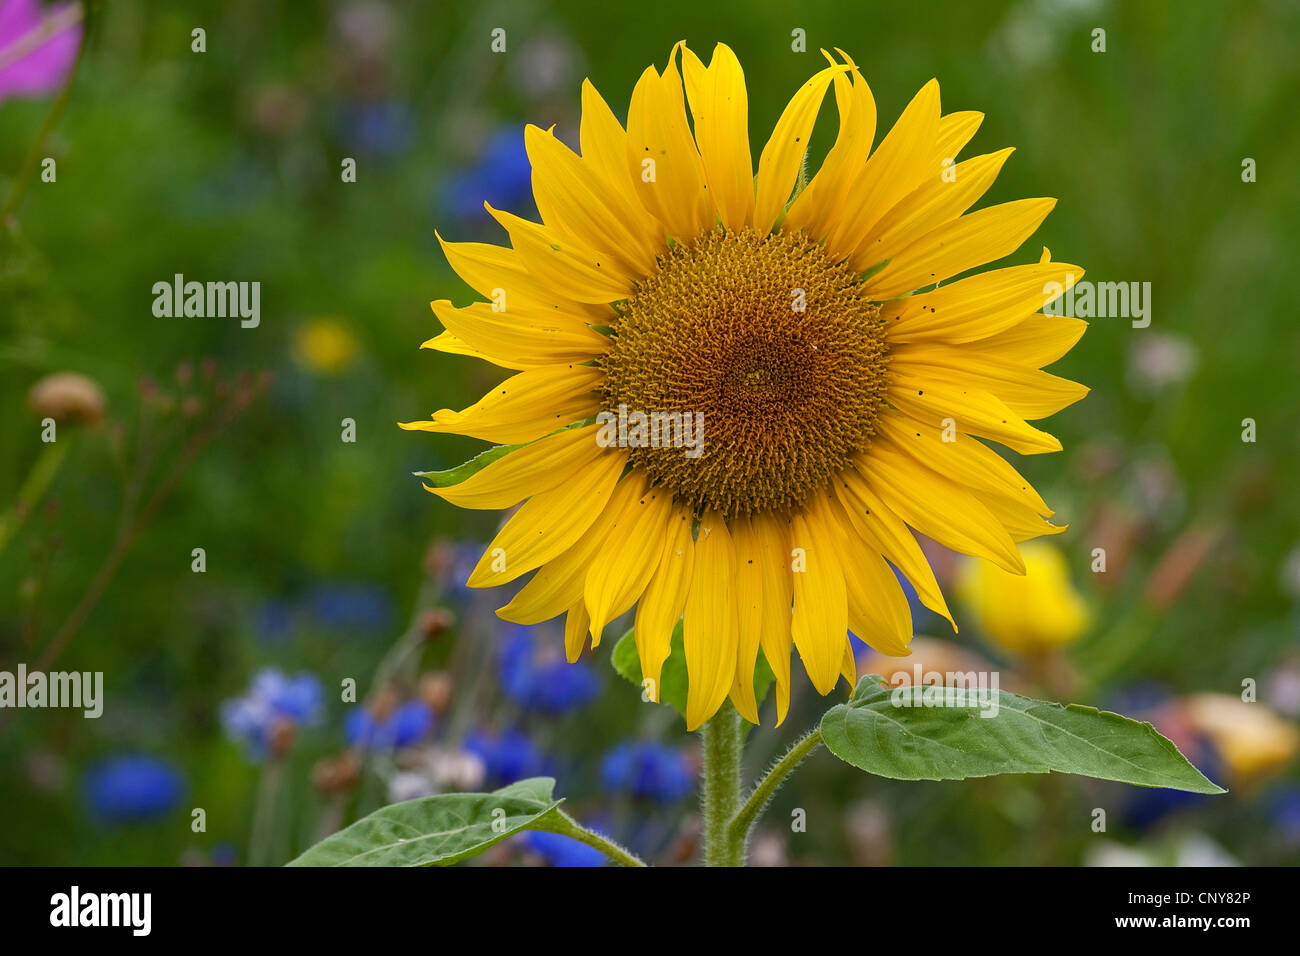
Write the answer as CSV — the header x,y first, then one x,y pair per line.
x,y
773,351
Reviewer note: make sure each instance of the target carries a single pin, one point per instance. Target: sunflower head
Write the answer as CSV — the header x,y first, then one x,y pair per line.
x,y
736,396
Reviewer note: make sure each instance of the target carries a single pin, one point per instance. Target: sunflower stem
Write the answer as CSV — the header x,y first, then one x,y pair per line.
x,y
758,798
720,788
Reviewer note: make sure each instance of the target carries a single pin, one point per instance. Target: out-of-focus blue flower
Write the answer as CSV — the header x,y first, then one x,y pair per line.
x,y
560,850
1137,698
648,770
506,757
275,620
503,177
132,789
224,854
405,726
273,700
1284,804
377,128
351,606
464,557
538,680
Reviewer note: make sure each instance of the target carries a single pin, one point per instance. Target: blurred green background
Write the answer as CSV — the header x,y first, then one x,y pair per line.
x,y
225,165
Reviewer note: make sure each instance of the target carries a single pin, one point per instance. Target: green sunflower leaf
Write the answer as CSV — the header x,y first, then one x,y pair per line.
x,y
672,679
454,476
438,830
947,733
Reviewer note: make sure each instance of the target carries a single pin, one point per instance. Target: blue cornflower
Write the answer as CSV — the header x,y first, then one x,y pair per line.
x,y
131,789
271,702
503,177
506,757
537,681
560,850
275,620
648,770
351,606
380,129
406,725
462,557
1285,806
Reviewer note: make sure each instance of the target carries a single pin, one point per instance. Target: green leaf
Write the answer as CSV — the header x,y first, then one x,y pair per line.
x,y
672,679
436,831
454,476
936,733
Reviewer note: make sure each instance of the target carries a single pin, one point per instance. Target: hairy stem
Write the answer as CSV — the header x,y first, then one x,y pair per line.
x,y
762,793
720,791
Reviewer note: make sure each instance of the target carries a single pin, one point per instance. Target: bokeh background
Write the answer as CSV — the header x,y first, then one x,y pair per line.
x,y
324,559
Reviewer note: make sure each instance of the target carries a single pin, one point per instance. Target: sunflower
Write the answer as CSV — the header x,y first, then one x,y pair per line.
x,y
840,382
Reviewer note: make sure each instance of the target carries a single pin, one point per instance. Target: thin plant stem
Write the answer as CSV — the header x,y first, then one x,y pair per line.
x,y
33,490
264,812
744,819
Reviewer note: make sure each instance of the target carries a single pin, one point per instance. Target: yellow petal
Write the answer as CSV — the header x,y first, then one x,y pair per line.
x,y
1029,392
563,263
672,185
560,341
499,274
1022,523
569,197
660,608
941,405
932,204
936,507
963,459
878,609
720,107
631,553
1037,341
524,407
535,468
980,305
887,533
575,631
818,207
772,537
709,625
447,343
820,627
558,585
955,131
604,149
972,240
905,158
749,609
548,524
783,156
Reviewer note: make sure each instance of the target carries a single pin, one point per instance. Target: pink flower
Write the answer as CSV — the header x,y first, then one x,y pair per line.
x,y
38,45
